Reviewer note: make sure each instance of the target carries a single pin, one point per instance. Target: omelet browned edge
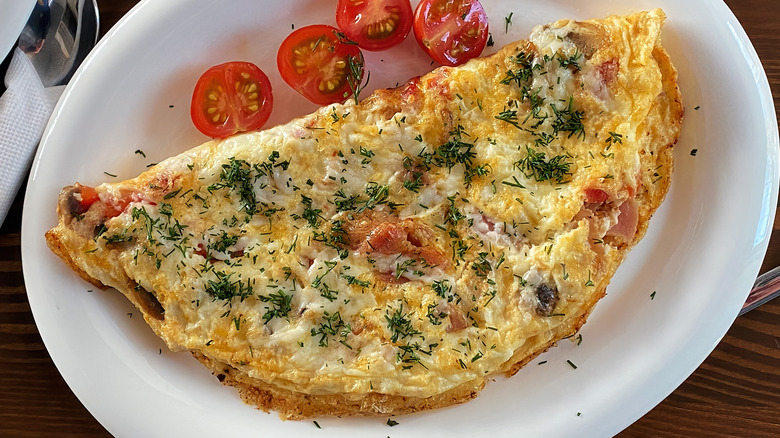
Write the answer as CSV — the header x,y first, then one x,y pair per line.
x,y
664,123
298,406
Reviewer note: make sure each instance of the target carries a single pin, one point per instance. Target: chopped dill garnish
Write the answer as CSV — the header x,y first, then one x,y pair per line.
x,y
356,65
509,116
613,138
443,289
399,324
536,165
570,61
280,305
524,71
568,120
226,289
332,325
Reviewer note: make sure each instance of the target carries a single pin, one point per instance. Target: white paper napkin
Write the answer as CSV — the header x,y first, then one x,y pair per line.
x,y
25,108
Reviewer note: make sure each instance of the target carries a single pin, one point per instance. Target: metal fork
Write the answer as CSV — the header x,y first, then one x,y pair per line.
x,y
766,288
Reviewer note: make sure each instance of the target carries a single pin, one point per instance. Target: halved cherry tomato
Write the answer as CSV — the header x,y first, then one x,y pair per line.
x,y
315,61
375,24
231,97
451,31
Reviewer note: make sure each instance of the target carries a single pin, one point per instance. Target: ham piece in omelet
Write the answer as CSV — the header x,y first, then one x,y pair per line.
x,y
393,255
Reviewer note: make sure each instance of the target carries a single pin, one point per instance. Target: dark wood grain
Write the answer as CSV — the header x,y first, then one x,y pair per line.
x,y
735,392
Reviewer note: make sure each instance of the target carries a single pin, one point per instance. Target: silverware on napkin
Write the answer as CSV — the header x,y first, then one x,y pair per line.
x,y
56,39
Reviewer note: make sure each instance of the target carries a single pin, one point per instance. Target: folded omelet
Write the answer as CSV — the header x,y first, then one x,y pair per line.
x,y
393,255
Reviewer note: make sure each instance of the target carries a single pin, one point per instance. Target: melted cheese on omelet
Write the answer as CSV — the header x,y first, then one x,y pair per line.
x,y
425,238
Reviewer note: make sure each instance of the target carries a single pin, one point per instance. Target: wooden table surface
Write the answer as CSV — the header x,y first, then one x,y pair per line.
x,y
735,392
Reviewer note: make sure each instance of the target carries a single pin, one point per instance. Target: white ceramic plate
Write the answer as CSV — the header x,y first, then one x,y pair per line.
x,y
699,258
13,16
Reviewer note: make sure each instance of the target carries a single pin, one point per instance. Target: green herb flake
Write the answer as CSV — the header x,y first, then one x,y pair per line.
x,y
224,288
443,288
569,61
399,324
332,325
513,183
536,165
568,120
614,138
279,305
172,194
589,283
237,176
355,75
313,216
509,116
377,195
524,71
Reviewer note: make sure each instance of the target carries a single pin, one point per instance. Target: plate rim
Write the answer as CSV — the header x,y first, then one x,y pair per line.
x,y
9,33
770,120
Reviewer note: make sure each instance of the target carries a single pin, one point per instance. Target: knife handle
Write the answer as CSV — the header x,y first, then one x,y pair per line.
x,y
766,287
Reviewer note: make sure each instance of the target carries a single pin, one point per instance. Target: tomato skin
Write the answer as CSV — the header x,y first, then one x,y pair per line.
x,y
88,197
117,206
231,97
81,199
375,24
451,31
313,60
